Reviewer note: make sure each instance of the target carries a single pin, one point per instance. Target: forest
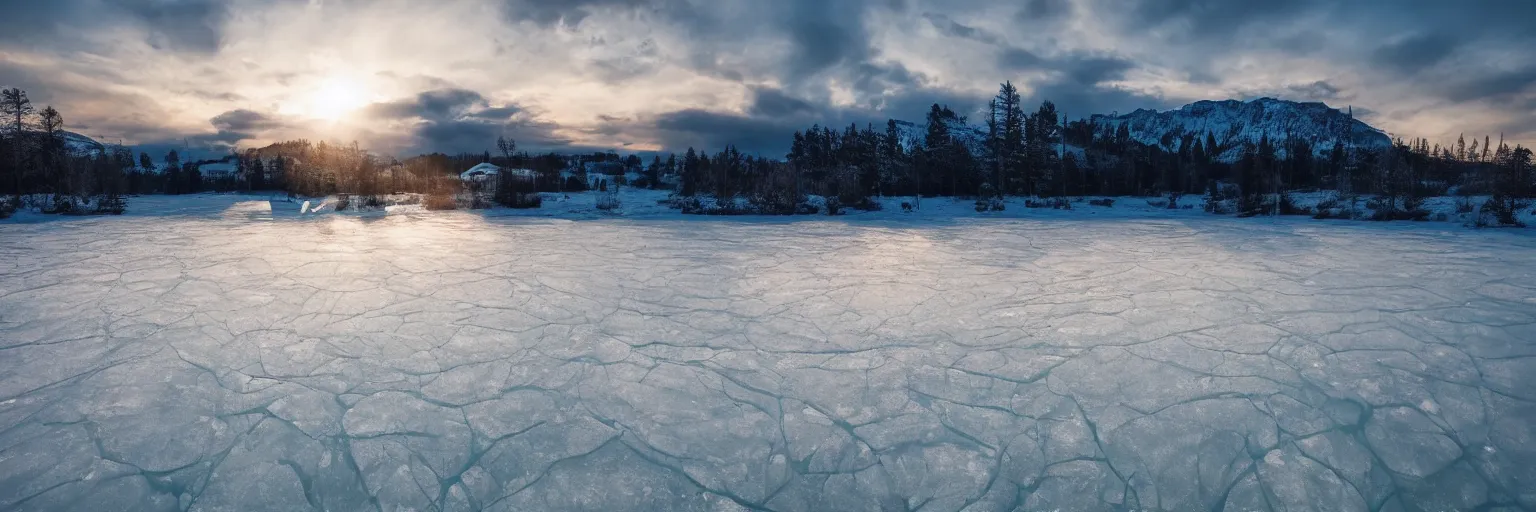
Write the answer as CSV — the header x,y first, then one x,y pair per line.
x,y
1013,152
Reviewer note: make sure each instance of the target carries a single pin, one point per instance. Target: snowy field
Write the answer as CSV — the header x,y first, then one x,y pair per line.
x,y
208,353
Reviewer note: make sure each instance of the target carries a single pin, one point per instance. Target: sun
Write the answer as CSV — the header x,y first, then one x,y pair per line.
x,y
335,98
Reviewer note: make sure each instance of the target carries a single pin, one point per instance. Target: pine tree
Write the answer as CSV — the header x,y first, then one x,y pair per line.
x,y
1043,159
690,173
50,150
892,155
17,111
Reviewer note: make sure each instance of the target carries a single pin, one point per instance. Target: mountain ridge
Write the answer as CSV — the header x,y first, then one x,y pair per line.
x,y
1234,123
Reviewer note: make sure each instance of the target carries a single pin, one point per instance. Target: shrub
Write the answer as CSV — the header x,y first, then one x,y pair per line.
x,y
1157,203
1105,202
906,207
520,200
61,204
440,201
1385,214
776,202
110,204
1464,205
343,201
8,207
834,207
1289,207
608,202
1503,211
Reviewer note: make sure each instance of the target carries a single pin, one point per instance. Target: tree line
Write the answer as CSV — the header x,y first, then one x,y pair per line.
x,y
1039,154
1013,152
38,168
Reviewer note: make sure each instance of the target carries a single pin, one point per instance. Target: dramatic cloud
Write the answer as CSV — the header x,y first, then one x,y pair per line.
x,y
402,76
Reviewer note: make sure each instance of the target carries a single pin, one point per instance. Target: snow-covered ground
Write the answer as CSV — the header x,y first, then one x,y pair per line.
x,y
224,355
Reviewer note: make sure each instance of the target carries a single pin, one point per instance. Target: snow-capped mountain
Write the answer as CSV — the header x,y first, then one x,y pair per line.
x,y
1233,123
78,144
974,138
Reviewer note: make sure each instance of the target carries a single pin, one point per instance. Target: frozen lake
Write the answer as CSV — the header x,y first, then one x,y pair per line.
x,y
214,359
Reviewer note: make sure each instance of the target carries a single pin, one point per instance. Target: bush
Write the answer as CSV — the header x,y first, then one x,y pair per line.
x,y
1106,202
608,202
1386,214
343,201
440,201
520,200
7,207
110,204
687,204
1502,210
906,207
834,206
1289,207
1464,205
871,205
771,201
1058,203
61,204
1157,203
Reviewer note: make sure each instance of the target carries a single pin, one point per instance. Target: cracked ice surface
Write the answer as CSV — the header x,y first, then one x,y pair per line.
x,y
455,362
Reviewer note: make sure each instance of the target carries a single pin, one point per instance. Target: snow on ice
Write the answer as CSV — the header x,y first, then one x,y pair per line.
x,y
215,353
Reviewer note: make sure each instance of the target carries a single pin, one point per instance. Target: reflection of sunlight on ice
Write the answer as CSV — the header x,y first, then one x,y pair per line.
x,y
253,210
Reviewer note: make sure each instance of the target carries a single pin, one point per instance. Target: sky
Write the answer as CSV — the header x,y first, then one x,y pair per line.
x,y
406,77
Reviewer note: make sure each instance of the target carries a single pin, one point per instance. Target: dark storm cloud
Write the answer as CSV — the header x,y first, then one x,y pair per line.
x,y
182,25
1018,59
952,28
1414,53
825,34
1091,70
770,102
566,12
243,120
433,105
1319,90
1208,18
461,120
1045,10
759,133
185,24
1496,86
706,130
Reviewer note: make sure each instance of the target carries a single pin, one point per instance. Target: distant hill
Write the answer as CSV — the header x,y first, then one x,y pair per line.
x,y
1233,123
78,144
